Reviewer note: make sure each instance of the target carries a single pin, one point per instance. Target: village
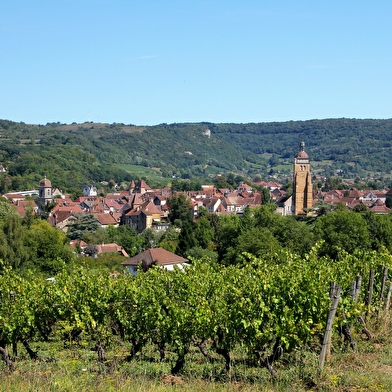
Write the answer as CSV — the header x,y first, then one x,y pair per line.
x,y
141,207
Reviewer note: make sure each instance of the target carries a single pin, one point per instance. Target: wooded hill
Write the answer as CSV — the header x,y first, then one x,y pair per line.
x,y
76,154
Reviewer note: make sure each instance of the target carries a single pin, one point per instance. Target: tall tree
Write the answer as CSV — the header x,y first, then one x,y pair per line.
x,y
203,232
186,239
180,208
13,251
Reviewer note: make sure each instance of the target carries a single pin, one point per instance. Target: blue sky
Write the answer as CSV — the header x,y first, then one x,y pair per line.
x,y
148,62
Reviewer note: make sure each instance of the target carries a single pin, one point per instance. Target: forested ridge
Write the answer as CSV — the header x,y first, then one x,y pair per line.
x,y
75,154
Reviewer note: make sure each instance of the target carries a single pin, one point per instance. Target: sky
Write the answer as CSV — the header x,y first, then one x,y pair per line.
x,y
147,62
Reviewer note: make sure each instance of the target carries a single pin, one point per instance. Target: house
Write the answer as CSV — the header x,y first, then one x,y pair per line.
x,y
285,205
236,202
149,257
111,248
380,208
139,187
78,245
90,190
142,217
88,204
106,220
62,220
243,187
212,204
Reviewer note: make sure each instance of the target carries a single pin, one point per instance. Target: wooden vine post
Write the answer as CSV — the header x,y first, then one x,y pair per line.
x,y
383,284
369,292
335,296
388,300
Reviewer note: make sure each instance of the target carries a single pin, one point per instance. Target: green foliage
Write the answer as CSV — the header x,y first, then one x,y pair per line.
x,y
126,237
186,239
183,186
342,230
149,238
48,248
203,232
259,242
85,223
282,299
6,208
13,250
180,208
39,246
169,239
76,154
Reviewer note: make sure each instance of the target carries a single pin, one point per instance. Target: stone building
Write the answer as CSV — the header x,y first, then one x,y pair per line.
x,y
302,183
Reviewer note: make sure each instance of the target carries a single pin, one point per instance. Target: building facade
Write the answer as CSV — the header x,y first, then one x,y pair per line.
x,y
302,183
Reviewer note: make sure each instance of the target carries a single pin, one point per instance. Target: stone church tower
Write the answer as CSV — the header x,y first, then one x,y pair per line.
x,y
45,192
302,184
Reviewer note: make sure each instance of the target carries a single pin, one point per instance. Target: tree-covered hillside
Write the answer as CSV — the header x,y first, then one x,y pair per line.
x,y
75,154
352,145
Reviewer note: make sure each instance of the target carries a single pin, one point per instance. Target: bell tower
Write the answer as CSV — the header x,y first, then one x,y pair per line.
x,y
45,192
302,184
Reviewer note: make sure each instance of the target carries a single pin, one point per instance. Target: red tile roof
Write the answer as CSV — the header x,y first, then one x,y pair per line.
x,y
155,255
112,248
108,219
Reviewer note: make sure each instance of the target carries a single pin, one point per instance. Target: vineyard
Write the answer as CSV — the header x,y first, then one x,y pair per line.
x,y
267,308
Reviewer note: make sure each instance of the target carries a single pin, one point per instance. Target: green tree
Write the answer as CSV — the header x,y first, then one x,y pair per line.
x,y
126,237
186,239
203,254
150,238
169,239
221,182
99,236
257,241
13,251
342,230
203,232
48,247
84,223
180,208
291,234
266,196
6,208
227,229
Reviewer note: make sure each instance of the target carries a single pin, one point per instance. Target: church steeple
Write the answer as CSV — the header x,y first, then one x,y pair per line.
x,y
45,192
302,183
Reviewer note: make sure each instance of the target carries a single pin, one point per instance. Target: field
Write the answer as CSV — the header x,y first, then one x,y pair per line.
x,y
152,174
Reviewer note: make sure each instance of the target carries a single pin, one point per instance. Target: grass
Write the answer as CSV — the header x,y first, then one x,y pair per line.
x,y
369,368
152,173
